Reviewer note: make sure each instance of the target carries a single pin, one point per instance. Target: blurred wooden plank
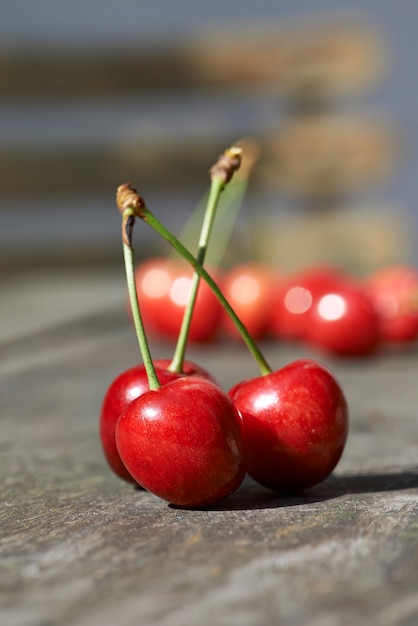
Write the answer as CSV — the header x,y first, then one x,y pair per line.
x,y
360,238
91,168
77,143
334,154
323,55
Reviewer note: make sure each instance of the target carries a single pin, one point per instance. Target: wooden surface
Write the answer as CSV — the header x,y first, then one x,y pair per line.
x,y
80,548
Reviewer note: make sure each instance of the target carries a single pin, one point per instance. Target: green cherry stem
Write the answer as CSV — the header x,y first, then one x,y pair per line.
x,y
221,173
128,196
227,211
128,220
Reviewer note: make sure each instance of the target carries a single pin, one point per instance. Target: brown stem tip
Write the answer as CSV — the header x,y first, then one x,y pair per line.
x,y
227,164
127,198
130,205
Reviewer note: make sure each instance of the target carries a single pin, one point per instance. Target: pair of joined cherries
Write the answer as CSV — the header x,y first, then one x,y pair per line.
x,y
169,427
191,444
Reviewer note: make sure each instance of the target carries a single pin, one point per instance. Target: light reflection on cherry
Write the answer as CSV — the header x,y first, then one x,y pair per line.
x,y
332,307
298,300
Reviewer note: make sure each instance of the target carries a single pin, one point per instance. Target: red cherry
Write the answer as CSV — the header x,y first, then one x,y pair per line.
x,y
248,287
344,322
394,292
295,424
183,442
163,287
125,388
294,298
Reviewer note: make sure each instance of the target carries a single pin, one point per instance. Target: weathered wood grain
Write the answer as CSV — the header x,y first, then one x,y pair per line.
x,y
80,548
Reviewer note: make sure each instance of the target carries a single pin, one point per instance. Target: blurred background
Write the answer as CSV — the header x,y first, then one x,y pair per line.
x,y
97,93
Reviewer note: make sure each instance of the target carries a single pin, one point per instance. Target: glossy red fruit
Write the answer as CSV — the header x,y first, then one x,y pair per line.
x,y
183,442
125,388
163,287
344,322
394,292
294,297
295,425
248,287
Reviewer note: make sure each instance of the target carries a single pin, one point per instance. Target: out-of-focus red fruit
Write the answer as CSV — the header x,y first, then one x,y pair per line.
x,y
248,287
394,291
294,297
163,287
344,322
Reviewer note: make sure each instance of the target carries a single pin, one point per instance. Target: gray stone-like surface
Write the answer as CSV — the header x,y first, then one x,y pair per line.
x,y
78,547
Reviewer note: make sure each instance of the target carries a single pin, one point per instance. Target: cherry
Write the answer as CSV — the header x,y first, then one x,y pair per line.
x,y
125,388
163,287
248,287
183,442
294,297
295,425
344,322
394,292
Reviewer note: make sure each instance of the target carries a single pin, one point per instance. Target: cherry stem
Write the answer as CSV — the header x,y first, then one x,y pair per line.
x,y
128,220
228,210
126,194
221,173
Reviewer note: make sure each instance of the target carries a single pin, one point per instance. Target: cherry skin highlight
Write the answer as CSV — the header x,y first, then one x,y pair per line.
x,y
125,388
295,425
183,442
